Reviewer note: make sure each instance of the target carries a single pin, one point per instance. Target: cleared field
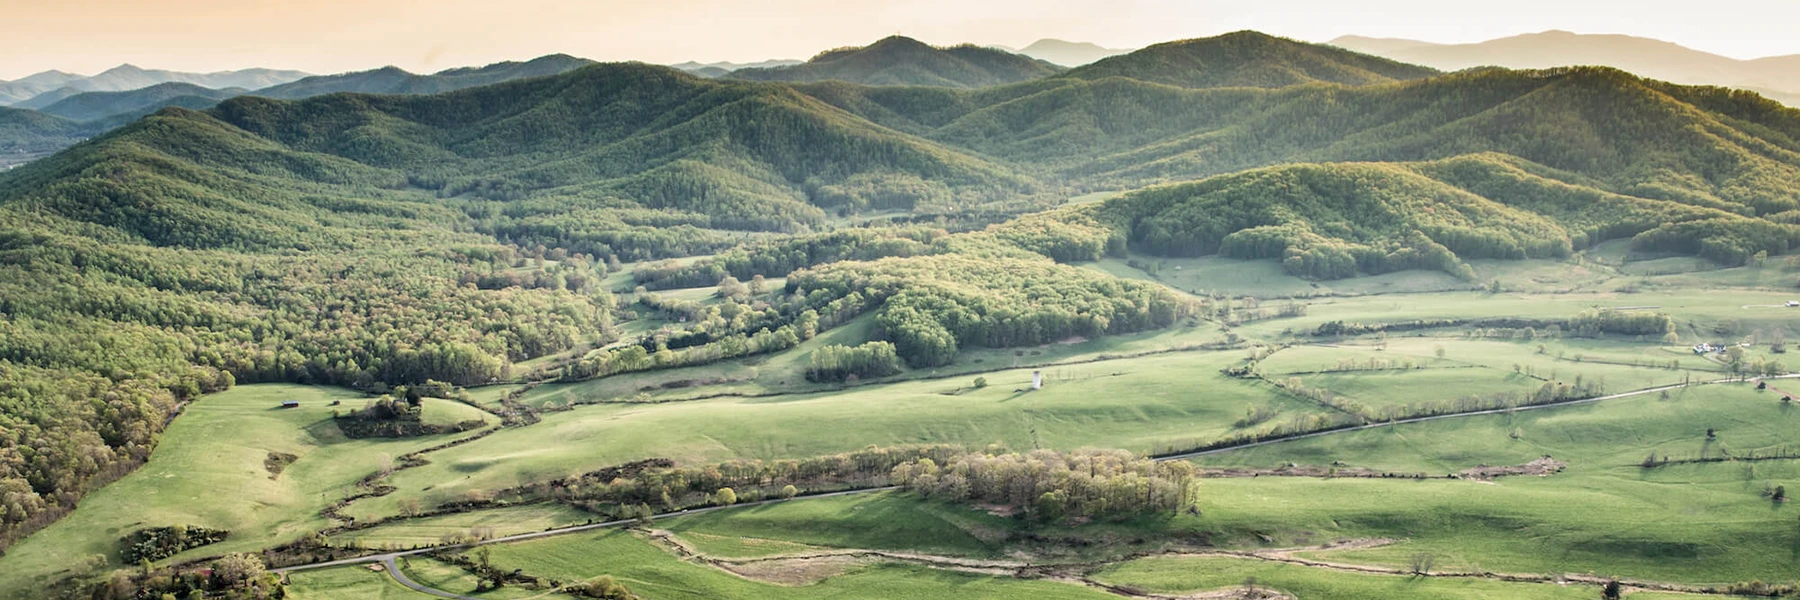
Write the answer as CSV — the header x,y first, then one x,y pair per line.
x,y
1706,523
785,372
1267,278
210,471
496,522
885,521
1378,390
1621,365
1134,405
1696,310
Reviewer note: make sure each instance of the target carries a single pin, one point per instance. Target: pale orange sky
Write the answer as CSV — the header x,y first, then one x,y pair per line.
x,y
327,36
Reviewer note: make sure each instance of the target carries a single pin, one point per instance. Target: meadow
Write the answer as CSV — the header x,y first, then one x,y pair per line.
x,y
211,470
1605,514
1173,396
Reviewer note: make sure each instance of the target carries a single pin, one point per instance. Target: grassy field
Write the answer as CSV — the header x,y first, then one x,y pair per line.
x,y
1480,366
654,572
348,583
1606,515
495,522
784,373
1176,396
440,575
1187,575
1704,523
887,521
210,471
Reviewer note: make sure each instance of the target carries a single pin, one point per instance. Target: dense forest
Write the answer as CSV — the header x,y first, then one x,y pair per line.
x,y
380,240
29,132
1334,221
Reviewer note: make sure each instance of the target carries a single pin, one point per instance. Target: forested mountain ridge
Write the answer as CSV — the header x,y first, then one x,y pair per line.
x,y
726,155
30,131
902,61
106,109
1249,59
393,80
90,106
130,77
1331,221
1777,77
1712,147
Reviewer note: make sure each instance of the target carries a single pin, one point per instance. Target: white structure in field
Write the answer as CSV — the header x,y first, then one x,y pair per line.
x,y
1037,380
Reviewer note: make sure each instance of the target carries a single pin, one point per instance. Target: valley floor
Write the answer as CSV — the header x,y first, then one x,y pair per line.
x,y
1407,507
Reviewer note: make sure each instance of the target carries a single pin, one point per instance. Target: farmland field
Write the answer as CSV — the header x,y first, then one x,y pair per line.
x,y
1701,524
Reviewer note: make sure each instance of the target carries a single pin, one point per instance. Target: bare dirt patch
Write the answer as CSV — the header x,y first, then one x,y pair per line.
x,y
1293,470
795,571
277,461
1543,467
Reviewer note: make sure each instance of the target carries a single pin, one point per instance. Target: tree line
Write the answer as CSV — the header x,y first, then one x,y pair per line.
x,y
1047,485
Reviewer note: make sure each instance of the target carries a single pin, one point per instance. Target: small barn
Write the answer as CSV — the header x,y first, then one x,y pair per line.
x,y
290,404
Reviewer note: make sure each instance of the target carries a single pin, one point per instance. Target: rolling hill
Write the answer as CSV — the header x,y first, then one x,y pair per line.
x,y
902,61
61,85
700,68
393,80
28,134
1248,59
90,106
725,155
1068,54
102,111
40,101
1332,221
1776,77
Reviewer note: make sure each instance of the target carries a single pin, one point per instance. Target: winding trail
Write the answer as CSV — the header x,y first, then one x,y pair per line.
x,y
388,558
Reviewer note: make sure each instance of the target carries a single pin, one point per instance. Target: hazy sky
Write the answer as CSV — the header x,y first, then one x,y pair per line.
x,y
326,36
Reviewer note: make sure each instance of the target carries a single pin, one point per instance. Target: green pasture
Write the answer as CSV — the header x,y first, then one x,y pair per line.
x,y
209,471
1138,405
1707,523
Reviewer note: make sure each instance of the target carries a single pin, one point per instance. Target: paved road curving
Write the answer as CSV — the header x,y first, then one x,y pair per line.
x,y
394,570
388,559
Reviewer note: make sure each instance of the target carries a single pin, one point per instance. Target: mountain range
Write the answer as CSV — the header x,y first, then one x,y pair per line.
x,y
394,80
716,69
1776,77
129,77
736,155
127,105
